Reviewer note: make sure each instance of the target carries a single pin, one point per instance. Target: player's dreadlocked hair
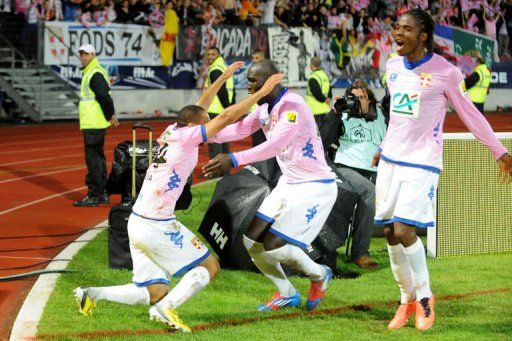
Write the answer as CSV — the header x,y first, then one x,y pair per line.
x,y
426,24
186,114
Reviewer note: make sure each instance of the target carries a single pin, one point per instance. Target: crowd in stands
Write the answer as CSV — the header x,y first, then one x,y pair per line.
x,y
361,18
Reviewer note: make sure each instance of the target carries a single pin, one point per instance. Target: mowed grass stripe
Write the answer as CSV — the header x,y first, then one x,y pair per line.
x,y
287,316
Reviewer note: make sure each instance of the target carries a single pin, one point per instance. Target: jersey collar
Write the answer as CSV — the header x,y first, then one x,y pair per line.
x,y
281,94
412,65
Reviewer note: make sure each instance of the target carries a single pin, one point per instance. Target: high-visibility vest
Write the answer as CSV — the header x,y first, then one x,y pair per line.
x,y
89,110
478,92
216,106
316,106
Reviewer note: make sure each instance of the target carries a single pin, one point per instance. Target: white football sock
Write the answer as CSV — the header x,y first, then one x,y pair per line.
x,y
190,285
269,267
402,272
296,258
418,261
126,294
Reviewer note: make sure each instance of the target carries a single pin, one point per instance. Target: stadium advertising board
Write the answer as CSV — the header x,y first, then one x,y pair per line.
x,y
181,75
114,43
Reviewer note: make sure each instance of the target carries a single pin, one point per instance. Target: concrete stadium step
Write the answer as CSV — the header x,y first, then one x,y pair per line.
x,y
43,91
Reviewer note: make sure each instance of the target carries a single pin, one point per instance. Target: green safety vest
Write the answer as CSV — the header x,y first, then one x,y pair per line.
x,y
317,107
89,111
216,106
478,92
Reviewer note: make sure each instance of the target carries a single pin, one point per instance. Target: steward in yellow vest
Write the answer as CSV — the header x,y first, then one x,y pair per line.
x,y
225,97
318,92
478,84
96,114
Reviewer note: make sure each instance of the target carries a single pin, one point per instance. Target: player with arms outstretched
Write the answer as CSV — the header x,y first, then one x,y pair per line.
x,y
160,245
420,83
291,217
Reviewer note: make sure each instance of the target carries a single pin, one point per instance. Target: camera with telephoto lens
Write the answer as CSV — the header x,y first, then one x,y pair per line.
x,y
349,104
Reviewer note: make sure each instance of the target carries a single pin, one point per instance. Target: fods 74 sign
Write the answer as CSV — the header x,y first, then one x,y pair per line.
x,y
114,44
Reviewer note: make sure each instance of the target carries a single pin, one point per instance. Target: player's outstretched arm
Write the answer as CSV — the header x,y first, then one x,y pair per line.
x,y
210,92
505,163
234,112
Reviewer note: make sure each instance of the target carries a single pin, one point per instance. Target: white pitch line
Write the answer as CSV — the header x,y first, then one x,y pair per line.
x,y
41,200
25,325
22,151
41,174
27,258
76,137
40,159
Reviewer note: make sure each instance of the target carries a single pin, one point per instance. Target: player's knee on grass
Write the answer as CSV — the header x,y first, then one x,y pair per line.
x,y
157,292
212,265
272,242
405,233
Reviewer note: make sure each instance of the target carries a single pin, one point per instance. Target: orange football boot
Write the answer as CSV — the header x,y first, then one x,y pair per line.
x,y
425,315
402,315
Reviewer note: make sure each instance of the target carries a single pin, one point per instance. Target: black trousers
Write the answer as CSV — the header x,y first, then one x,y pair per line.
x,y
319,119
480,107
96,178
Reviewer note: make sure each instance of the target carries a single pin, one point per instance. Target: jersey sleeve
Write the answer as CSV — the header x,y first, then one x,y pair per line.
x,y
188,136
238,130
282,134
469,114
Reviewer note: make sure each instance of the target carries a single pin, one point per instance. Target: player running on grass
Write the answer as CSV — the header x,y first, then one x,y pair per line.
x,y
291,217
420,83
160,245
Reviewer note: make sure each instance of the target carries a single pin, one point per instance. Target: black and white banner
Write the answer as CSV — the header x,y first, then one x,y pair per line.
x,y
234,42
291,51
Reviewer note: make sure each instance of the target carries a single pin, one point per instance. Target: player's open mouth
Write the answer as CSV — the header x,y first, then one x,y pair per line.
x,y
399,45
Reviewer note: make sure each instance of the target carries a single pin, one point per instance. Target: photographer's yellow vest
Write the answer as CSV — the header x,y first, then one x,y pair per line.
x,y
316,106
478,92
216,106
89,110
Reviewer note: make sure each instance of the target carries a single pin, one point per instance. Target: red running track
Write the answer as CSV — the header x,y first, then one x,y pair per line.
x,y
42,172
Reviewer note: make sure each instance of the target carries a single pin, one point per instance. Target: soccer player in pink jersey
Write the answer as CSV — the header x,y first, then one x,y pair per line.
x,y
161,246
420,83
291,217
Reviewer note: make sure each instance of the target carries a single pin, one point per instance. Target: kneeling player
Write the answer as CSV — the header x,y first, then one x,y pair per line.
x,y
160,246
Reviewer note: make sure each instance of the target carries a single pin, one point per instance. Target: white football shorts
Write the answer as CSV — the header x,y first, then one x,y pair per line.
x,y
298,212
161,249
405,194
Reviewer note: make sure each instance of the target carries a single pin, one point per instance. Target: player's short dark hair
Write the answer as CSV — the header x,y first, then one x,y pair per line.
x,y
426,24
187,113
214,48
266,68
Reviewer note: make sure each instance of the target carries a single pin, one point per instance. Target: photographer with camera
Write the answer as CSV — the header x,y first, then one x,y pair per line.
x,y
351,135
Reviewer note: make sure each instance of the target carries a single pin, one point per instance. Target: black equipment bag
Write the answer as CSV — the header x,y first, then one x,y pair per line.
x,y
120,178
236,200
119,256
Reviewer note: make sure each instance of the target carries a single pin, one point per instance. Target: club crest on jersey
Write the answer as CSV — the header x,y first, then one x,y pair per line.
x,y
291,116
406,104
425,80
393,77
